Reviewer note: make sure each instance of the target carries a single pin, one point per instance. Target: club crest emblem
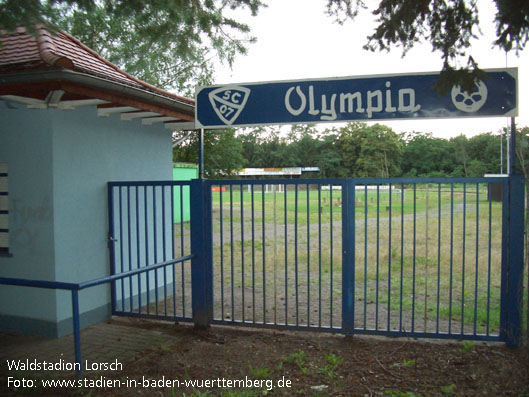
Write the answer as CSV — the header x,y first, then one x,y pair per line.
x,y
228,102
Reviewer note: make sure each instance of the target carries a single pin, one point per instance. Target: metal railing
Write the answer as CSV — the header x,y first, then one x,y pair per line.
x,y
76,287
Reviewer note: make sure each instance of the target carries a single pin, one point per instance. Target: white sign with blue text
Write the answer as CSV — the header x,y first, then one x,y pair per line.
x,y
364,98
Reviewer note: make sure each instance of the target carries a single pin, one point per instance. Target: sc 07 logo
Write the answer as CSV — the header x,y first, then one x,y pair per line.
x,y
228,102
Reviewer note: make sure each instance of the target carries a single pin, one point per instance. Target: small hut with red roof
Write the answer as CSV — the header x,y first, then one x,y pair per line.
x,y
70,121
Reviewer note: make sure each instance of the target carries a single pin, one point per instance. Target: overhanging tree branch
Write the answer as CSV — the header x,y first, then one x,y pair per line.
x,y
448,25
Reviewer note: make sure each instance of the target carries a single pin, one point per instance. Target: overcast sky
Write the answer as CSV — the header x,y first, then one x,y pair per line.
x,y
297,40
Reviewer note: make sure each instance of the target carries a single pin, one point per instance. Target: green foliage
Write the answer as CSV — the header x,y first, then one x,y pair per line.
x,y
298,358
369,151
355,150
476,168
466,346
222,152
424,155
171,44
448,25
397,393
331,365
259,372
409,363
448,390
522,151
460,156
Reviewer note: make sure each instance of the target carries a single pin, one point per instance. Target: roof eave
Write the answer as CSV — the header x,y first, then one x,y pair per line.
x,y
102,88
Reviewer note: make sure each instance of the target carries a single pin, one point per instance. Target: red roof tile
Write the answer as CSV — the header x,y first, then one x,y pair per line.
x,y
21,52
18,49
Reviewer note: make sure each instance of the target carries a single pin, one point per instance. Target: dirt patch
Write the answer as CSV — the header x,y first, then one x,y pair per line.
x,y
315,364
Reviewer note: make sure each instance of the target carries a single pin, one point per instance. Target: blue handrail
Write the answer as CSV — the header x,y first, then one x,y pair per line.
x,y
76,287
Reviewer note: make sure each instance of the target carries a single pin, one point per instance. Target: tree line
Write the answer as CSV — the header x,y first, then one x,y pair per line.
x,y
355,150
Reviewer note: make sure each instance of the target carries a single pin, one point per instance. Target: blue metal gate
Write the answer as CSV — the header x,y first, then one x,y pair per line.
x,y
148,226
407,256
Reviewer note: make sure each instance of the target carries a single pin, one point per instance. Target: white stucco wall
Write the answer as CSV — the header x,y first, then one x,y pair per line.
x,y
68,157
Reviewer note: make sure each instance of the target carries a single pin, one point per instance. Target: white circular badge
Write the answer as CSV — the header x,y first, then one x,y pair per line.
x,y
472,102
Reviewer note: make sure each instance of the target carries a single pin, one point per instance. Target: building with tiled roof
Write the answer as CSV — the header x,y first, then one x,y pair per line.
x,y
70,122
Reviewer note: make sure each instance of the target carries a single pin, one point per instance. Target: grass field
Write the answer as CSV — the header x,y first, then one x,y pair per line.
x,y
426,258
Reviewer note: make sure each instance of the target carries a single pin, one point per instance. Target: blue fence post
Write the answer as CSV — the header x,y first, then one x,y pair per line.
x,y
348,256
76,332
505,194
111,244
514,285
201,268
